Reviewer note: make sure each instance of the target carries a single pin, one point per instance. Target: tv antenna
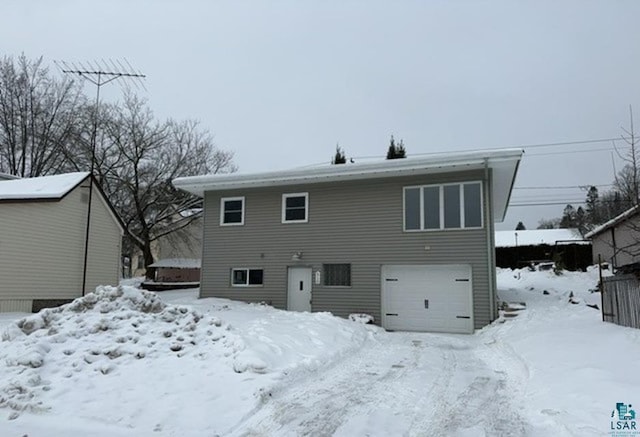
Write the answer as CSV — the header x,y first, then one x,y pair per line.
x,y
99,73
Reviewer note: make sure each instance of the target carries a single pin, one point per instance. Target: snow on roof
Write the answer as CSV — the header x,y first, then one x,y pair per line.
x,y
6,176
43,187
614,221
190,212
537,236
177,263
503,163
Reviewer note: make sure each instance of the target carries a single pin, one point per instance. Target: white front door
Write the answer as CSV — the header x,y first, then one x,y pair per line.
x,y
299,289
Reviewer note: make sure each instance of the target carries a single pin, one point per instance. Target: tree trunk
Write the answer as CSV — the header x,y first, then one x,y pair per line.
x,y
148,260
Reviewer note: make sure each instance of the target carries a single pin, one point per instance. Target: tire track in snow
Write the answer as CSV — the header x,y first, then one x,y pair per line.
x,y
407,384
391,376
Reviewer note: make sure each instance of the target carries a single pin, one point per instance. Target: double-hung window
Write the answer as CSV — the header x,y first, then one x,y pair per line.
x,y
232,211
295,208
447,206
245,277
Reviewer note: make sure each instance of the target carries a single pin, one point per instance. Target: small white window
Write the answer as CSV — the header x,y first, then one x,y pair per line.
x,y
295,208
232,211
245,277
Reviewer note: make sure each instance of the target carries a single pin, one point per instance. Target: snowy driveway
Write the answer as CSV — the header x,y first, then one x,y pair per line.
x,y
406,384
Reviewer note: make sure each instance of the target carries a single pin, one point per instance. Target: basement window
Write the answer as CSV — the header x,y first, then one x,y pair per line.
x,y
337,275
246,277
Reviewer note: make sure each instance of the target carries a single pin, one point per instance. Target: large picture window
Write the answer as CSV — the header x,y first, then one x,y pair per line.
x,y
447,206
232,211
244,277
295,208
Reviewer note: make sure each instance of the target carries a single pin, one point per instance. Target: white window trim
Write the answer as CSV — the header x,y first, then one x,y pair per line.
x,y
284,207
228,199
247,285
441,191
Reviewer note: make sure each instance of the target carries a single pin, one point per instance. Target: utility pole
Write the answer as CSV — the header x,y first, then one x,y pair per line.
x,y
99,74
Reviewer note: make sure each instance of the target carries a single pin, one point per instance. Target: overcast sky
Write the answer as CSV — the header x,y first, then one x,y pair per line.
x,y
281,82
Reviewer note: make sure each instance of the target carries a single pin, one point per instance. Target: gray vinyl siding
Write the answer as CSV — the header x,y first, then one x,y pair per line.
x,y
356,222
15,306
42,247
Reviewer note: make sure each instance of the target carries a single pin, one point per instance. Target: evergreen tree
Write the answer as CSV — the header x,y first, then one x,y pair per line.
x,y
339,157
593,207
400,150
581,221
568,219
520,227
396,151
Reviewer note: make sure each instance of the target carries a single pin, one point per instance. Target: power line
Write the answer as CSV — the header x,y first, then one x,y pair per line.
x,y
526,146
562,187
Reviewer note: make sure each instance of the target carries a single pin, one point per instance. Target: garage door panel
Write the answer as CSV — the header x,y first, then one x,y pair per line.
x,y
446,288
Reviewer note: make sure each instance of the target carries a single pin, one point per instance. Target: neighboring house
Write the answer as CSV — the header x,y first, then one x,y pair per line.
x,y
184,243
515,249
173,273
43,224
409,241
617,241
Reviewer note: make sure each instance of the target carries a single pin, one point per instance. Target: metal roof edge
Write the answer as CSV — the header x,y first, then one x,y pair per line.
x,y
198,184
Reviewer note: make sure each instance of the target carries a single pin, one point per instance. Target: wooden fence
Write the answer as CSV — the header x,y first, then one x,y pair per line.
x,y
621,300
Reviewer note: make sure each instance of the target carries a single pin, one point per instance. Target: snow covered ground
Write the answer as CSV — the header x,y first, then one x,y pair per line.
x,y
123,362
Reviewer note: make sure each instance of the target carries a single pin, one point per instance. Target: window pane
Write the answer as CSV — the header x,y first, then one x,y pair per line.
x,y
232,211
295,208
233,205
432,207
295,202
472,206
295,214
233,217
240,277
452,206
412,208
337,275
255,277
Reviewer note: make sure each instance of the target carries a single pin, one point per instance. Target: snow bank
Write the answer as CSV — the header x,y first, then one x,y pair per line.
x,y
569,367
124,356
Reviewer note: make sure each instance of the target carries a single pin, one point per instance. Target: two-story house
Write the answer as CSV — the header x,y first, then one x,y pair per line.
x,y
409,241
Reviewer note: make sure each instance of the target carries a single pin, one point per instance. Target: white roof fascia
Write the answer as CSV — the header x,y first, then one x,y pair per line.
x,y
41,187
504,164
614,221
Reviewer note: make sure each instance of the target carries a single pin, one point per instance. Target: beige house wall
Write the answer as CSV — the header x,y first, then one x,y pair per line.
x,y
42,247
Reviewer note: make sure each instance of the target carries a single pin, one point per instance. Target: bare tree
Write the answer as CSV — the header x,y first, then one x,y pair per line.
x,y
37,117
137,157
626,181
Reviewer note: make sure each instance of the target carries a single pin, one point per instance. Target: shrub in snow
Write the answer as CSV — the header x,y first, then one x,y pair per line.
x,y
361,318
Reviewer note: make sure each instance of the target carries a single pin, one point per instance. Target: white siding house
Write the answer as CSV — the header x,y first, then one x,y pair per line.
x,y
43,224
617,241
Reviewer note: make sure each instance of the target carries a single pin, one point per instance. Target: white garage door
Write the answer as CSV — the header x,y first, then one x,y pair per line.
x,y
427,298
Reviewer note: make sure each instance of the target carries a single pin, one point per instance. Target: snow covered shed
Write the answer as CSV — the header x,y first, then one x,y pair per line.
x,y
172,273
408,241
43,223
